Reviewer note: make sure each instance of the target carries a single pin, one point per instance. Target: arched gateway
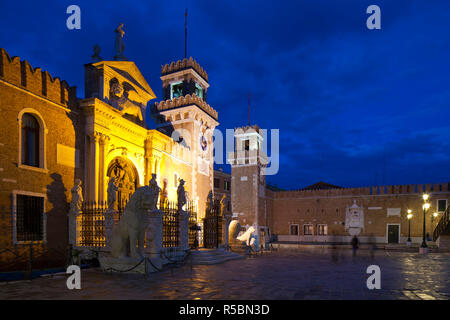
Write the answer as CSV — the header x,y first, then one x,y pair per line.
x,y
126,179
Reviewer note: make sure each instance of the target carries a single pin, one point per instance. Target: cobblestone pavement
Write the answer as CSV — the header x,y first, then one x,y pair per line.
x,y
307,274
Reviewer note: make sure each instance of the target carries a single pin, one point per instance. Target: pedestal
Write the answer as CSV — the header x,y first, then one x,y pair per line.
x,y
423,250
73,227
408,243
154,238
109,227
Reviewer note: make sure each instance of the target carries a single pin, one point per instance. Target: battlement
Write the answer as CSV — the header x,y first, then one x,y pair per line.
x,y
366,191
22,74
185,101
182,65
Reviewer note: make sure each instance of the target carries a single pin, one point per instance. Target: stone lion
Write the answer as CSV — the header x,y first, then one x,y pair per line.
x,y
133,224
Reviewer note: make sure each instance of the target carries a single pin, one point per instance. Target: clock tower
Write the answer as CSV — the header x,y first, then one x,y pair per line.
x,y
185,115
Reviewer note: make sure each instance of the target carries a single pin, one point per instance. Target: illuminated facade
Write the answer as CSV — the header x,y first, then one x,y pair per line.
x,y
50,138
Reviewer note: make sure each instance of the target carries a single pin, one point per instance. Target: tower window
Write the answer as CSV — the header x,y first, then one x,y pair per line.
x,y
30,140
198,90
246,144
216,183
227,185
176,89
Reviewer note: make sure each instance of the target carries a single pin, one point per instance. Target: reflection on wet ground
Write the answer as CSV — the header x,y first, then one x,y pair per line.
x,y
302,274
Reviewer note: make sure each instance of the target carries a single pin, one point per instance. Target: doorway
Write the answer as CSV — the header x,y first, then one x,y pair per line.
x,y
393,233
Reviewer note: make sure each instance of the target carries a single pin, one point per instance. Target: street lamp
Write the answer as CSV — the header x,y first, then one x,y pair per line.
x,y
409,216
426,206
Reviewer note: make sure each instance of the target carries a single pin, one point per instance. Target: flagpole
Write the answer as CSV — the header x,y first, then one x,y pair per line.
x,y
185,34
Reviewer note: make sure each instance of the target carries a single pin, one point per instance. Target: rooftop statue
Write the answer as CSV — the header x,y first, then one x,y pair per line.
x,y
119,46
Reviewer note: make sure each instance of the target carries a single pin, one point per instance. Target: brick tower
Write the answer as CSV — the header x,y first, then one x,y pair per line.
x,y
248,182
185,115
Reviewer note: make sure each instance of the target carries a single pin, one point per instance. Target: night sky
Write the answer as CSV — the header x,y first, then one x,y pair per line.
x,y
355,107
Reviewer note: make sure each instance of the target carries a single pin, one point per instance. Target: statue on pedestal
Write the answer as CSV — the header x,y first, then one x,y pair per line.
x,y
223,205
133,225
77,197
112,193
181,196
119,45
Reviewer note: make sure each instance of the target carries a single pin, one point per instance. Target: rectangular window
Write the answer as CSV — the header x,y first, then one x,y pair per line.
x,y
294,229
29,218
441,205
308,230
246,144
227,185
176,90
216,183
322,229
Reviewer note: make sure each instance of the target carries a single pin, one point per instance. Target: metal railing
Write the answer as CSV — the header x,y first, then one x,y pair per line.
x,y
442,224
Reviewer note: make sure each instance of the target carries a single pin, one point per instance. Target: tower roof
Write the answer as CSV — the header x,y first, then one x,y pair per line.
x,y
183,65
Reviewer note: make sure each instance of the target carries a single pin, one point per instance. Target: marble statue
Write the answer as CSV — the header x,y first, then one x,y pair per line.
x,y
354,219
119,45
181,195
248,236
112,193
223,205
77,197
134,222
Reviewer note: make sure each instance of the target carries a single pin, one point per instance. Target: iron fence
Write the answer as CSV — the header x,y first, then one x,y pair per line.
x,y
212,225
92,225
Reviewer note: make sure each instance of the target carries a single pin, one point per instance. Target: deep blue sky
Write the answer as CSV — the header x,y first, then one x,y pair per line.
x,y
344,98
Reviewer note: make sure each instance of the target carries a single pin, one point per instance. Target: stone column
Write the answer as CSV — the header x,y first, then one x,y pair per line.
x,y
93,167
184,229
227,219
103,143
154,239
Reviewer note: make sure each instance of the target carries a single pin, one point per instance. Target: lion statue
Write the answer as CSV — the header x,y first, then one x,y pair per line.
x,y
134,222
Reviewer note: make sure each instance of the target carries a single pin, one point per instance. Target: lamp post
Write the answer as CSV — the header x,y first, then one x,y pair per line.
x,y
409,216
424,248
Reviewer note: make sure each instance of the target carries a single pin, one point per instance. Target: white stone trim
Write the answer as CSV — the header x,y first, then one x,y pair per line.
x,y
14,194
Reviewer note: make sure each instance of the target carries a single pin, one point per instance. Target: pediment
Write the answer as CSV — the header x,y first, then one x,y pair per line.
x,y
125,72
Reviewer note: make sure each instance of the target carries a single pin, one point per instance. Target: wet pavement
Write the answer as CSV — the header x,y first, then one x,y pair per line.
x,y
302,274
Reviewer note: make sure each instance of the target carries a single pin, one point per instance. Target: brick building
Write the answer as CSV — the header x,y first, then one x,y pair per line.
x,y
326,213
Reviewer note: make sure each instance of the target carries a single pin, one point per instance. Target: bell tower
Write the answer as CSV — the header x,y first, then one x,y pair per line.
x,y
185,115
248,182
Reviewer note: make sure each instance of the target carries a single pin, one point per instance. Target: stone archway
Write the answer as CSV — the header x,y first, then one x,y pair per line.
x,y
126,179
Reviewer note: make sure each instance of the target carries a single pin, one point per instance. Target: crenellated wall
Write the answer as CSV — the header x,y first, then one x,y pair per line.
x,y
365,191
22,74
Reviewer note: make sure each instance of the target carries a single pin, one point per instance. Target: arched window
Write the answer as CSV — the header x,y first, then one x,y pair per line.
x,y
30,140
